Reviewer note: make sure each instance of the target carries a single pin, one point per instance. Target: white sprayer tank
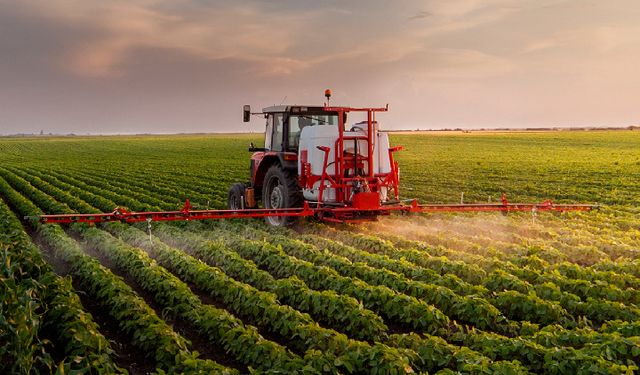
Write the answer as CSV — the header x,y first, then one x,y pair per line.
x,y
326,135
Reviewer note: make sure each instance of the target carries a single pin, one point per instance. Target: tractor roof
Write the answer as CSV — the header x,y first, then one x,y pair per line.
x,y
288,107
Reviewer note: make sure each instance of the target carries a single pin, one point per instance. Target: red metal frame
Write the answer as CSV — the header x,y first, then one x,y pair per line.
x,y
120,214
335,214
340,180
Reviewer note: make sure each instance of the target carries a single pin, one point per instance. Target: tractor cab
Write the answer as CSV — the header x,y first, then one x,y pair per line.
x,y
285,123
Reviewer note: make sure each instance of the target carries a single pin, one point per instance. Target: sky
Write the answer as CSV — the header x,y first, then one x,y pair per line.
x,y
172,66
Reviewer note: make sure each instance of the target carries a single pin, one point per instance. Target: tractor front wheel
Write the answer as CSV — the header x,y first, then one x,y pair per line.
x,y
280,190
236,198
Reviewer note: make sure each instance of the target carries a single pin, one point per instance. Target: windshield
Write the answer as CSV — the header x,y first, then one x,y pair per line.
x,y
299,122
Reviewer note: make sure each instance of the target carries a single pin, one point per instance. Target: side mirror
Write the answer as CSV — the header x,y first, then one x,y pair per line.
x,y
253,148
246,113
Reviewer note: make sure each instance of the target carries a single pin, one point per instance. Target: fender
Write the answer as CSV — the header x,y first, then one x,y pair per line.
x,y
261,161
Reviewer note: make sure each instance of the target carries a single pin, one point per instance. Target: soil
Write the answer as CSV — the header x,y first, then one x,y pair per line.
x,y
206,298
199,342
127,355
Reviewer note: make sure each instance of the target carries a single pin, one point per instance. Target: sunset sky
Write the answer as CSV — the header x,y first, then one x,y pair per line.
x,y
168,66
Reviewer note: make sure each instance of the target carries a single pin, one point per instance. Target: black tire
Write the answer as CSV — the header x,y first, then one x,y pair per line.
x,y
280,190
235,198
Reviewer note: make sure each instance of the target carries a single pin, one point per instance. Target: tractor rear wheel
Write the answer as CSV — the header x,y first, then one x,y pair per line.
x,y
236,198
280,190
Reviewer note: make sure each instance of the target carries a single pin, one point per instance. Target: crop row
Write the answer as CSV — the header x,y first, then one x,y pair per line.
x,y
173,190
465,309
263,309
611,310
518,254
496,281
351,354
135,318
141,196
219,326
473,273
81,206
466,361
609,342
41,309
402,308
615,355
513,304
542,286
605,310
393,306
621,347
581,281
173,195
339,311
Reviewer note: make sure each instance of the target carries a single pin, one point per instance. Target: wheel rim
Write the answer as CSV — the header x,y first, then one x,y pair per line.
x,y
276,200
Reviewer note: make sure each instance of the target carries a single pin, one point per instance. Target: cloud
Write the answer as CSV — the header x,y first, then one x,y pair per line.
x,y
79,65
420,15
467,64
609,38
455,16
601,39
245,32
227,31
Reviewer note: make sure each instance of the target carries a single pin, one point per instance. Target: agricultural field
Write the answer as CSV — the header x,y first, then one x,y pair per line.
x,y
551,293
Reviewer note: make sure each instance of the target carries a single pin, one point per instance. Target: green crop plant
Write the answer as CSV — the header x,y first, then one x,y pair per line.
x,y
550,293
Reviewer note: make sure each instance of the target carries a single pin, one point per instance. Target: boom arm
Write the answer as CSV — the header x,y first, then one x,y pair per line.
x,y
326,213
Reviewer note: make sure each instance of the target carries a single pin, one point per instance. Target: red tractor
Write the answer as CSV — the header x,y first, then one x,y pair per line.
x,y
310,154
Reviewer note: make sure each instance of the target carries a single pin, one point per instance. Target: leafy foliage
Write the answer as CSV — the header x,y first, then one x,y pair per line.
x,y
552,294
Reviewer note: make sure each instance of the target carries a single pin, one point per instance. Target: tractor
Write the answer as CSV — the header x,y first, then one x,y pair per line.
x,y
312,155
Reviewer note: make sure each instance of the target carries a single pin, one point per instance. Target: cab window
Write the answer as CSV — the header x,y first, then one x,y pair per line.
x,y
316,119
268,132
277,138
296,124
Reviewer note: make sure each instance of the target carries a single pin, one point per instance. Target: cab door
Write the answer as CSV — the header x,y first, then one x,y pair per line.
x,y
274,134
